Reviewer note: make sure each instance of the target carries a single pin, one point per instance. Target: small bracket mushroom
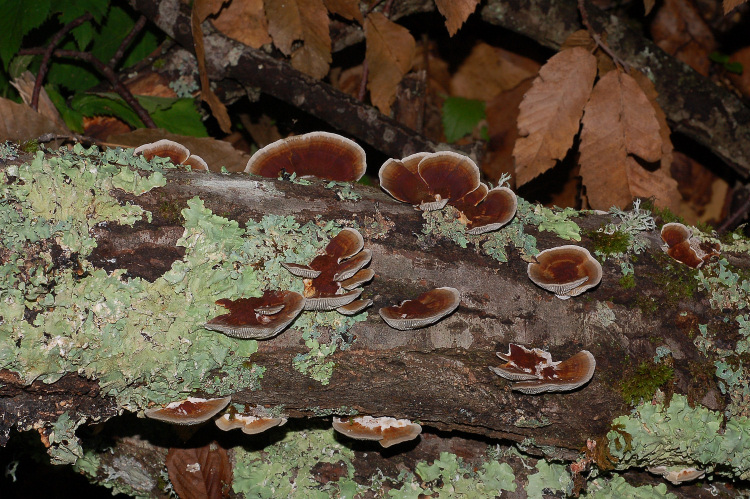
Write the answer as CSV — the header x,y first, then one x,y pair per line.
x,y
683,247
190,411
567,270
426,309
318,154
535,372
250,422
387,431
258,318
177,153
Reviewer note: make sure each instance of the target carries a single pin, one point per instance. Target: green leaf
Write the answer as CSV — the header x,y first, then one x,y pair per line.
x,y
19,17
181,118
73,119
734,67
96,105
719,57
460,116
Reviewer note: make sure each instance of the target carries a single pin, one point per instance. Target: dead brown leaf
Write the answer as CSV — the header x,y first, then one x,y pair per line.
x,y
389,53
216,153
488,71
348,9
314,57
201,9
244,21
550,113
582,38
664,132
680,31
284,23
200,473
730,4
456,12
703,192
620,124
25,86
20,122
101,127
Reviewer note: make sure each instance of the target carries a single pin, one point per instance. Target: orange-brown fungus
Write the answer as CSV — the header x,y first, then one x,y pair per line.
x,y
426,309
258,318
164,148
189,411
683,247
566,271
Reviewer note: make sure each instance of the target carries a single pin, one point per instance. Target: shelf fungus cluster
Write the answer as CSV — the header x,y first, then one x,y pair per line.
x,y
683,247
333,279
429,181
426,309
258,318
192,410
534,371
251,423
384,430
177,153
317,154
567,271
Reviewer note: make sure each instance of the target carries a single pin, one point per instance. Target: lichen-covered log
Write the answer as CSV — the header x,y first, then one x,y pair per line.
x,y
112,266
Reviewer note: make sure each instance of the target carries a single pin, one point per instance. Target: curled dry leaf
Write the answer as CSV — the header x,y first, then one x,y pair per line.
x,y
19,122
245,22
679,30
456,12
314,56
390,51
205,472
619,123
550,113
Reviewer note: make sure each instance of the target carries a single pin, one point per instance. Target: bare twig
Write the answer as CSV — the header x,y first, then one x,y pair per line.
x,y
738,215
47,54
363,81
597,39
137,27
108,73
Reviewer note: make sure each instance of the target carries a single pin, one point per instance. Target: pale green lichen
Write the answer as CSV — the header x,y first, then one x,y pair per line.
x,y
550,220
618,487
549,477
64,445
680,435
620,241
343,190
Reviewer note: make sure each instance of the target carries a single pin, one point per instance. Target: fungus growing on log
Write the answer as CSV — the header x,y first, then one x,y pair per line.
x,y
177,153
387,431
196,163
535,372
683,247
429,181
566,271
258,318
426,309
318,154
332,279
677,475
248,423
189,411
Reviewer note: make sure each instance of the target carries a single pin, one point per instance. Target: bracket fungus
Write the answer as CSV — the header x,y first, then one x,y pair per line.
x,y
258,318
177,153
429,181
426,309
318,154
535,372
677,475
192,410
249,424
683,247
567,270
387,431
332,280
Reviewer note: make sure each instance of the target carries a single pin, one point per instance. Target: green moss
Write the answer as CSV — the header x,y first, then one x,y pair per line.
x,y
30,146
616,243
627,281
643,383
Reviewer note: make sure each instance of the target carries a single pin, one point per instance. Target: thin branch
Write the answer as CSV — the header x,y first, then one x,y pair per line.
x,y
363,82
137,27
737,216
108,73
48,54
597,39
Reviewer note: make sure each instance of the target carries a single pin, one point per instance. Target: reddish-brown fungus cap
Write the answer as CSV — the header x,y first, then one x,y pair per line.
x,y
684,248
674,233
387,431
400,179
189,411
258,318
426,309
345,244
321,302
566,271
535,372
318,154
196,163
449,175
249,424
164,148
496,210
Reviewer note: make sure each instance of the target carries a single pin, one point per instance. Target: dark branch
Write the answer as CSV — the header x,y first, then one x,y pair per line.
x,y
137,27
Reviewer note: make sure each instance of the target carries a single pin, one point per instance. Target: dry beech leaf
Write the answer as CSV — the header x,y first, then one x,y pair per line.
x,y
201,9
550,113
216,153
389,53
619,123
488,71
25,86
582,38
680,31
284,23
730,4
200,473
456,12
244,21
664,132
348,9
314,56
20,122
